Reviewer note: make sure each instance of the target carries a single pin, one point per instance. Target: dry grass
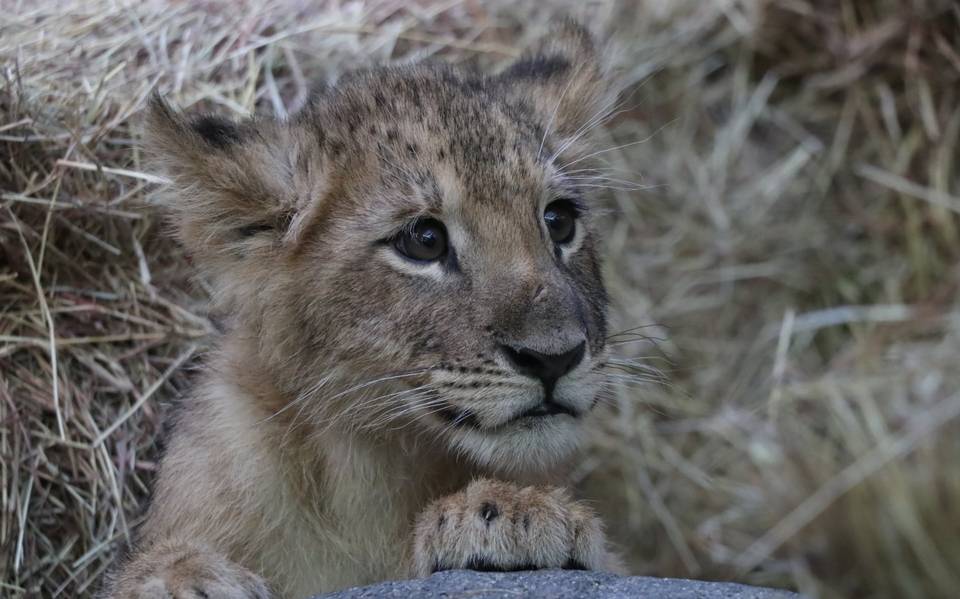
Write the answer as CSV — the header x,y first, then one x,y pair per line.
x,y
795,254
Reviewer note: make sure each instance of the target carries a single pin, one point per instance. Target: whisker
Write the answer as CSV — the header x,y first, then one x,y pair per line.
x,y
373,401
637,328
313,389
640,361
620,147
553,115
412,405
633,380
616,187
604,115
650,340
333,419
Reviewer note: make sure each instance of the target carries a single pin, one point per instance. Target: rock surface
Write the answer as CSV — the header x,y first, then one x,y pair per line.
x,y
559,584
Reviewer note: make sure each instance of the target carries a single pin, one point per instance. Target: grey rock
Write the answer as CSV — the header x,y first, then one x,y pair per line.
x,y
558,584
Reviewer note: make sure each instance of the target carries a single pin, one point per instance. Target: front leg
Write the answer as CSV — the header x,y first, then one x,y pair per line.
x,y
499,526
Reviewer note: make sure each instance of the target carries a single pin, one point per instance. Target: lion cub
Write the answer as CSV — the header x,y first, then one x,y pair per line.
x,y
415,336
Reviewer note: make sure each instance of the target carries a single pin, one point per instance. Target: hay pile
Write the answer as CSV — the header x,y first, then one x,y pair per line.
x,y
792,264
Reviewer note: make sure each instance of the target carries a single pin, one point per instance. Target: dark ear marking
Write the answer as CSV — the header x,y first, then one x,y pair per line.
x,y
168,125
559,81
216,131
538,67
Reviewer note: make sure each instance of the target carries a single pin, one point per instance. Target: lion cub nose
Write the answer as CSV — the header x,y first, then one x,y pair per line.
x,y
546,367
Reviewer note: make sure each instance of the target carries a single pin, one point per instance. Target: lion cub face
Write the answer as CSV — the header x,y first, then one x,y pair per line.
x,y
412,251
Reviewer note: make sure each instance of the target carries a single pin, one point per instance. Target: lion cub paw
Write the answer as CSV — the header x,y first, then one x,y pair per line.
x,y
183,571
498,526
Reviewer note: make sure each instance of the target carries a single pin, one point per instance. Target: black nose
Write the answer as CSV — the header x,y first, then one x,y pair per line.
x,y
546,367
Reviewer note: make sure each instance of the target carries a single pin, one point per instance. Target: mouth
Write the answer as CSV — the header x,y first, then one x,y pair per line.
x,y
545,409
465,418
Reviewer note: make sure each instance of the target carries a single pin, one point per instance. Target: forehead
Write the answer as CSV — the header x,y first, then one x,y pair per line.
x,y
447,135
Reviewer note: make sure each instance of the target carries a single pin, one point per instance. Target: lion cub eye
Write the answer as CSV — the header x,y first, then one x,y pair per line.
x,y
561,220
425,241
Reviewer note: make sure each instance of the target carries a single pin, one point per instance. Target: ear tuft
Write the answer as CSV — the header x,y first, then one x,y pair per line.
x,y
159,112
166,131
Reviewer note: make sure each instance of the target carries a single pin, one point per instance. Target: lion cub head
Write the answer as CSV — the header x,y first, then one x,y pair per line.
x,y
415,250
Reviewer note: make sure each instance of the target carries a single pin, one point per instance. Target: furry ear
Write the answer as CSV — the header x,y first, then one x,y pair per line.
x,y
235,189
562,78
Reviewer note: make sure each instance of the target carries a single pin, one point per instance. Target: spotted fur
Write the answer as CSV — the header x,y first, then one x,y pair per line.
x,y
353,388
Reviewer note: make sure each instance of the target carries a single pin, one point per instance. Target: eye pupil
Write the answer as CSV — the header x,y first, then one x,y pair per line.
x,y
425,241
560,218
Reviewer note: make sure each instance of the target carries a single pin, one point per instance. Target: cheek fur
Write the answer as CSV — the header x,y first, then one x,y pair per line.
x,y
585,275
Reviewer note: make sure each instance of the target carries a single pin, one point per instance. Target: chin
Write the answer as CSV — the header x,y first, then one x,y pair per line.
x,y
530,445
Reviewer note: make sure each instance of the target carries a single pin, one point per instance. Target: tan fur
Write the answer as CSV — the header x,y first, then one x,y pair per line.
x,y
356,394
